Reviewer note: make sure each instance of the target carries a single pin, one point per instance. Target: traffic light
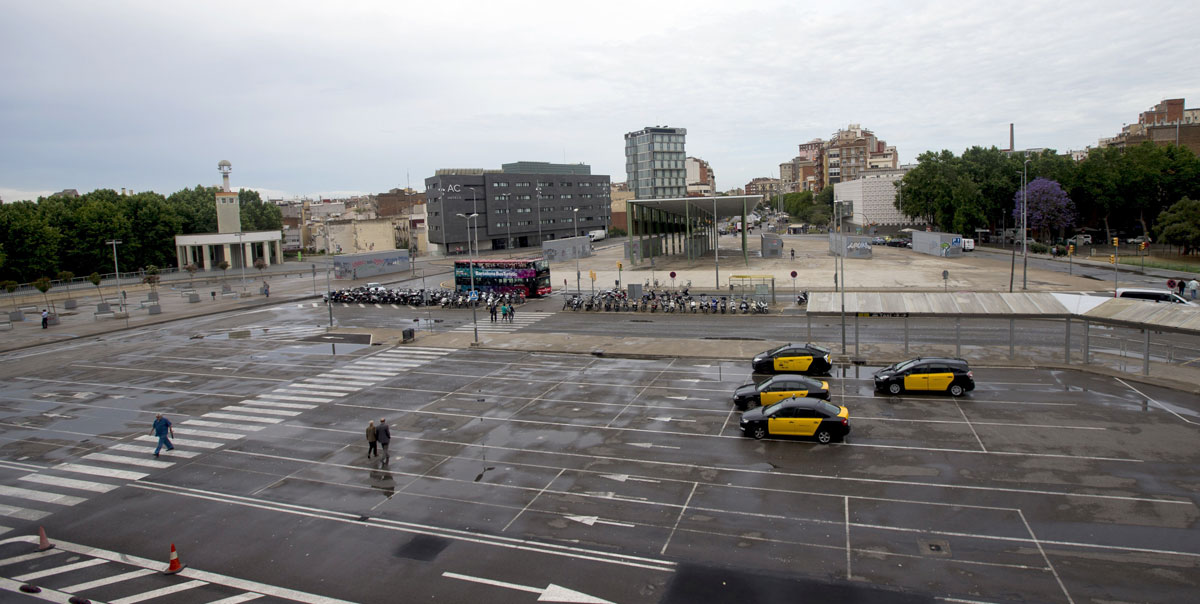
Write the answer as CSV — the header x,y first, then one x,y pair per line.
x,y
1071,250
1112,258
1116,242
618,266
1144,245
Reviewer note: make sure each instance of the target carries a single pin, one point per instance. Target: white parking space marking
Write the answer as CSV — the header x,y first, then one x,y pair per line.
x,y
244,418
221,425
238,599
361,374
107,581
262,403
284,397
133,461
41,496
203,444
209,434
158,593
100,471
262,411
148,449
69,483
325,388
27,557
21,513
1156,403
58,570
312,395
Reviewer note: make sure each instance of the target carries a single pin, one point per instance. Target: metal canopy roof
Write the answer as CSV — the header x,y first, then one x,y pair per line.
x,y
726,205
1041,305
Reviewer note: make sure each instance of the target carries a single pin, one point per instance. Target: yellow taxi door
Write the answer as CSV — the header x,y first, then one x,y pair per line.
x,y
782,363
773,395
916,379
940,380
807,422
801,363
782,422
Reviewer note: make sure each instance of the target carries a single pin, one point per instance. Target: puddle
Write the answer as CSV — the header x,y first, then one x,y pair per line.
x,y
333,349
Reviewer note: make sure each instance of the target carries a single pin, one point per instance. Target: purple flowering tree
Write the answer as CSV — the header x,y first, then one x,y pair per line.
x,y
1050,208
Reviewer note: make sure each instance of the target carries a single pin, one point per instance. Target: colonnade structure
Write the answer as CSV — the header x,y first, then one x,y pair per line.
x,y
230,243
683,226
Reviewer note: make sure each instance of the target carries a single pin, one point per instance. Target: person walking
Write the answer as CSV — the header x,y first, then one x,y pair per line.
x,y
162,428
384,436
793,253
1193,289
45,319
492,310
512,312
372,438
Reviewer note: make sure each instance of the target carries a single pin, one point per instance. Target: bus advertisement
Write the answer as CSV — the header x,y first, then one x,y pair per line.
x,y
528,277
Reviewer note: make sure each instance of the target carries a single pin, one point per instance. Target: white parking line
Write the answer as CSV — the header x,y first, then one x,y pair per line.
x,y
99,471
133,461
1156,403
285,397
209,434
107,581
203,444
41,496
261,403
70,483
221,425
244,418
149,449
57,570
158,593
263,411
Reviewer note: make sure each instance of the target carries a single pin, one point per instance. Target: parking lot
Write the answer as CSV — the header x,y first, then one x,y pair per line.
x,y
1039,485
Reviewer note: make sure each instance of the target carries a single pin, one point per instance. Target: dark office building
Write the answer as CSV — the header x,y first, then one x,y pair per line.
x,y
515,209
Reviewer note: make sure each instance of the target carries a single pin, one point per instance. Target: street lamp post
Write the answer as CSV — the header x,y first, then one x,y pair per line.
x,y
716,246
116,270
508,214
242,255
840,260
471,270
1024,225
328,267
575,222
538,197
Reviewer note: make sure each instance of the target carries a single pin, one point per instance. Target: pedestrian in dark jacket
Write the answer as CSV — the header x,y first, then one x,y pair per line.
x,y
371,439
384,436
162,427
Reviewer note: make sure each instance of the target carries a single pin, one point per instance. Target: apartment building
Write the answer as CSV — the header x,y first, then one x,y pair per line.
x,y
854,150
655,162
700,177
872,197
767,187
1166,123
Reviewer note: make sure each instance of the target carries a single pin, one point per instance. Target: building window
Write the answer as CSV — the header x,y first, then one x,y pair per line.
x,y
565,196
501,210
520,184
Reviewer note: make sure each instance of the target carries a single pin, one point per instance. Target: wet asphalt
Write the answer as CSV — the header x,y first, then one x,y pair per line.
x,y
623,479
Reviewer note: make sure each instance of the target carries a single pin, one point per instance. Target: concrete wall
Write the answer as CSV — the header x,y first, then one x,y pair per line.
x,y
374,264
856,246
772,245
932,243
567,249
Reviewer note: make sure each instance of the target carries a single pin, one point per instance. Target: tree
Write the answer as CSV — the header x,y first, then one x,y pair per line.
x,y
66,277
1180,225
151,277
31,243
43,285
10,287
1050,207
260,264
191,269
95,280
224,266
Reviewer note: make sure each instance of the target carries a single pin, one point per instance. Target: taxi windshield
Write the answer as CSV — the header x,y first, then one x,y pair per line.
x,y
780,349
830,409
904,365
819,349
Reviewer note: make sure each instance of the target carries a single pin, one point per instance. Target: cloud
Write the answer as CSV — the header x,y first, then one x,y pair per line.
x,y
366,96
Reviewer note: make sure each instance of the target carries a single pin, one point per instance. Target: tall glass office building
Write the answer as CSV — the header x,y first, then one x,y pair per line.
x,y
654,162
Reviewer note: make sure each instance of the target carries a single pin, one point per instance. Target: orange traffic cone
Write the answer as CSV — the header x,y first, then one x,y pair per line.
x,y
43,543
174,565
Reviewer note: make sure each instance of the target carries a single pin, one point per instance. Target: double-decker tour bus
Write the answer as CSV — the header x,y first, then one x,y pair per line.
x,y
530,277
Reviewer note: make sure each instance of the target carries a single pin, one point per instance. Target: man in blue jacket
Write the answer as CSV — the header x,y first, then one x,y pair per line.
x,y
162,427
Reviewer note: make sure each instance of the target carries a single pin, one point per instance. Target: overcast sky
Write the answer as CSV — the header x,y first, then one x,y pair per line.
x,y
327,97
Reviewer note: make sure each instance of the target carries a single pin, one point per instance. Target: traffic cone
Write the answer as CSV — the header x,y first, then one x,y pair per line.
x,y
174,565
43,543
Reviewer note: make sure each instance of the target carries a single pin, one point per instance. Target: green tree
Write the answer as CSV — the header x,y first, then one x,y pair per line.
x,y
94,278
258,215
153,224
191,269
66,277
43,285
1180,225
151,277
30,241
197,208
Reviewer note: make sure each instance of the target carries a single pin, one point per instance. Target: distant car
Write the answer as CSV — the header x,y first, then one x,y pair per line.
x,y
937,374
798,417
879,241
898,243
778,388
1139,240
968,245
1080,240
1153,295
793,358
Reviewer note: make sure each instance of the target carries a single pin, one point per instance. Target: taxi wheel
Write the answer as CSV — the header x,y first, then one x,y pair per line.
x,y
894,388
956,390
824,437
759,432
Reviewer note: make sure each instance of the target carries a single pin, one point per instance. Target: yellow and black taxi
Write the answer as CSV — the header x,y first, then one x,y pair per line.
x,y
778,387
798,417
794,358
925,374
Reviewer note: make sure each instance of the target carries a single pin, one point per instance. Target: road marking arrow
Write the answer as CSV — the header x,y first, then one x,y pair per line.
x,y
175,381
612,495
689,380
649,445
624,477
550,593
592,520
81,395
669,419
222,368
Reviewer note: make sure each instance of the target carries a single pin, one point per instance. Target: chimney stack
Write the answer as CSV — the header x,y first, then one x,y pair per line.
x,y
1011,146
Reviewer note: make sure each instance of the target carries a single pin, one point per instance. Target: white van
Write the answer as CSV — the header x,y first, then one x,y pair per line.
x,y
968,245
1153,295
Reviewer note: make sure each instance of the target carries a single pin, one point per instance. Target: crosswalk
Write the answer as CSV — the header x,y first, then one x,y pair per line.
x,y
500,326
71,573
275,332
71,482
